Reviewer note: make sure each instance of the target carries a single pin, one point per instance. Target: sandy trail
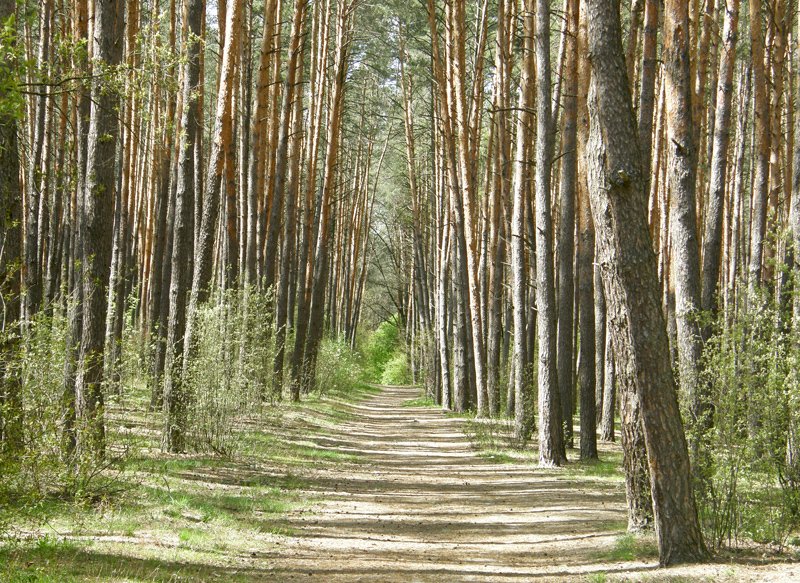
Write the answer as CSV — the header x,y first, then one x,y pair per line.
x,y
423,506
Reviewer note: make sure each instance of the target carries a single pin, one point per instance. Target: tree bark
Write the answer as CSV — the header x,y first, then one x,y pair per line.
x,y
523,413
97,226
11,426
619,208
222,137
681,175
551,434
761,136
712,240
173,439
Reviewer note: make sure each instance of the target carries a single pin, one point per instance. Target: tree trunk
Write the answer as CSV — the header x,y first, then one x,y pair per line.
x,y
222,137
681,174
551,434
97,226
566,239
11,428
712,241
523,413
173,439
619,208
761,136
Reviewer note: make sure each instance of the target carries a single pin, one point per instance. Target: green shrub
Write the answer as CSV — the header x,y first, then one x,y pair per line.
x,y
384,354
396,372
41,470
230,374
338,368
746,483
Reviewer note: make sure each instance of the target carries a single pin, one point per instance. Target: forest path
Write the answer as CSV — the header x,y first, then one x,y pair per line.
x,y
421,505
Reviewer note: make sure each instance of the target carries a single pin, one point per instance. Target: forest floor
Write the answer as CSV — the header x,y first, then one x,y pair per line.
x,y
383,489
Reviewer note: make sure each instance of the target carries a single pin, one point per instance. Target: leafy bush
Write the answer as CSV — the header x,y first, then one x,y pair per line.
x,y
231,371
384,355
395,372
746,480
338,368
42,468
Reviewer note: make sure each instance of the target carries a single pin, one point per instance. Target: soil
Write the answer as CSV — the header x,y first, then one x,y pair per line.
x,y
421,504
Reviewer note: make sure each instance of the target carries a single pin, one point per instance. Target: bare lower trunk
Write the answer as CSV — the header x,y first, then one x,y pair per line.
x,y
619,207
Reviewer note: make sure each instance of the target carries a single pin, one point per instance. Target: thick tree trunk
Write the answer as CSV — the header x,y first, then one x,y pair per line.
x,y
619,208
97,226
681,174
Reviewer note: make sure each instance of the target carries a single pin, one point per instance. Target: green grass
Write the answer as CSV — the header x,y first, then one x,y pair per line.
x,y
609,467
630,547
421,401
192,517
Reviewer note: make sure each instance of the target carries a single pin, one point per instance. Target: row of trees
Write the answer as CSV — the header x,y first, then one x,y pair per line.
x,y
576,233
155,152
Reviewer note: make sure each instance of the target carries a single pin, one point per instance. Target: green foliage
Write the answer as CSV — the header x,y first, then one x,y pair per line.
x,y
747,482
338,368
12,69
40,469
396,372
231,372
384,355
630,547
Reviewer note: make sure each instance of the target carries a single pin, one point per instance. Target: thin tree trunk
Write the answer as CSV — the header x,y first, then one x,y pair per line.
x,y
173,438
551,435
712,240
761,132
222,137
11,411
523,413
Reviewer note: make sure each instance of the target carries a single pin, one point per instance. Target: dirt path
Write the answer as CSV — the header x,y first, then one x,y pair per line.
x,y
422,506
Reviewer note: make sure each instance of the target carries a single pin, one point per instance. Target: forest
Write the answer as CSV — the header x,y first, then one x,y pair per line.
x,y
437,290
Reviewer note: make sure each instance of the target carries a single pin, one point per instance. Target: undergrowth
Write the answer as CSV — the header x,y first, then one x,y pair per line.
x,y
140,514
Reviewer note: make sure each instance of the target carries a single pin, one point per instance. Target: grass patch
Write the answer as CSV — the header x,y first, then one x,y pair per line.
x,y
499,457
607,468
421,401
630,547
182,518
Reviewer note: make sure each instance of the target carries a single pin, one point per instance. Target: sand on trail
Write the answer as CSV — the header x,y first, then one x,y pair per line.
x,y
422,505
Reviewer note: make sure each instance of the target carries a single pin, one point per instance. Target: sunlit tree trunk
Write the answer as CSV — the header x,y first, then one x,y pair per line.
x,y
97,226
523,413
619,207
173,438
551,436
